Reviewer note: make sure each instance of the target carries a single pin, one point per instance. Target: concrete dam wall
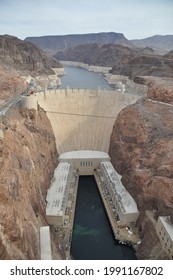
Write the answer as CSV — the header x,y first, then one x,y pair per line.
x,y
81,119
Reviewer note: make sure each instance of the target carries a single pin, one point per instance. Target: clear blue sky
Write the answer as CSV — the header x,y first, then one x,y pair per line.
x,y
136,19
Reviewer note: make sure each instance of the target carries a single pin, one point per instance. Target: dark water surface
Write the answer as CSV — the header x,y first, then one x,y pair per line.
x,y
92,235
80,78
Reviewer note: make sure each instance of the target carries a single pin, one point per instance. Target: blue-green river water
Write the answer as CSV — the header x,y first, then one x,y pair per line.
x,y
92,234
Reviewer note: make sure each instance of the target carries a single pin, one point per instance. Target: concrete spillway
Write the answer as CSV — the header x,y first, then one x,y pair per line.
x,y
81,119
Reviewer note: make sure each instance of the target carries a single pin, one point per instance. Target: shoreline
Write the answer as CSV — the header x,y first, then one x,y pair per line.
x,y
118,82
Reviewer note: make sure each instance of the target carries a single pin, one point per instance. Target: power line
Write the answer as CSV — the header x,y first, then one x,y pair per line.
x,y
65,113
81,115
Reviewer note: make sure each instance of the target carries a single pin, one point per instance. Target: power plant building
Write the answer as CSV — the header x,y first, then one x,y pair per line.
x,y
164,229
124,203
85,161
57,195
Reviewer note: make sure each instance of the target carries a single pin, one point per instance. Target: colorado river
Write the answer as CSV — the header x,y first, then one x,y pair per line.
x,y
92,235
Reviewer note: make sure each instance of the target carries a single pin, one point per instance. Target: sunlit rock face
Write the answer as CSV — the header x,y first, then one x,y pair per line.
x,y
28,157
141,149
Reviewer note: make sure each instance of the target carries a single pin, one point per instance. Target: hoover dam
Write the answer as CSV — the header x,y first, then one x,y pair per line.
x,y
82,119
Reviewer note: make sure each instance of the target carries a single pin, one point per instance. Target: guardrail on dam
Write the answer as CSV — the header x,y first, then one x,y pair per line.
x,y
82,119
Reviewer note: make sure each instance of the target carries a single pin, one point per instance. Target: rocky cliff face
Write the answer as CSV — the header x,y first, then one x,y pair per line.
x,y
150,247
141,149
19,59
158,89
25,56
28,158
11,83
144,65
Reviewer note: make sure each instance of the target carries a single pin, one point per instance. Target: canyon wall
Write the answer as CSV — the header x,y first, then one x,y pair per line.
x,y
28,157
141,149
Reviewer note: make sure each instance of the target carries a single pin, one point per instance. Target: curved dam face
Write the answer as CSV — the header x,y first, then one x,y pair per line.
x,y
82,119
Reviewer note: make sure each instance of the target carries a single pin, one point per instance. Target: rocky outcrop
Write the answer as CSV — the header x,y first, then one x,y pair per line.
x,y
63,42
169,55
141,149
144,65
25,56
150,247
28,158
11,83
158,89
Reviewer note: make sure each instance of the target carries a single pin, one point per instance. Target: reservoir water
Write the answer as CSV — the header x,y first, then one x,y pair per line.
x,y
92,237
76,77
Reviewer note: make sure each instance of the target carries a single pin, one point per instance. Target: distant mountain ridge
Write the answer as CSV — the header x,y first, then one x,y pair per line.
x,y
63,42
160,42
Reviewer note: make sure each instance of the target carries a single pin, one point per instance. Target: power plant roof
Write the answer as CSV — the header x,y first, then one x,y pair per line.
x,y
84,154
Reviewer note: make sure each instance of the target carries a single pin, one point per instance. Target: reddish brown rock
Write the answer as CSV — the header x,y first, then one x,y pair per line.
x,y
28,158
159,89
141,149
150,247
11,83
